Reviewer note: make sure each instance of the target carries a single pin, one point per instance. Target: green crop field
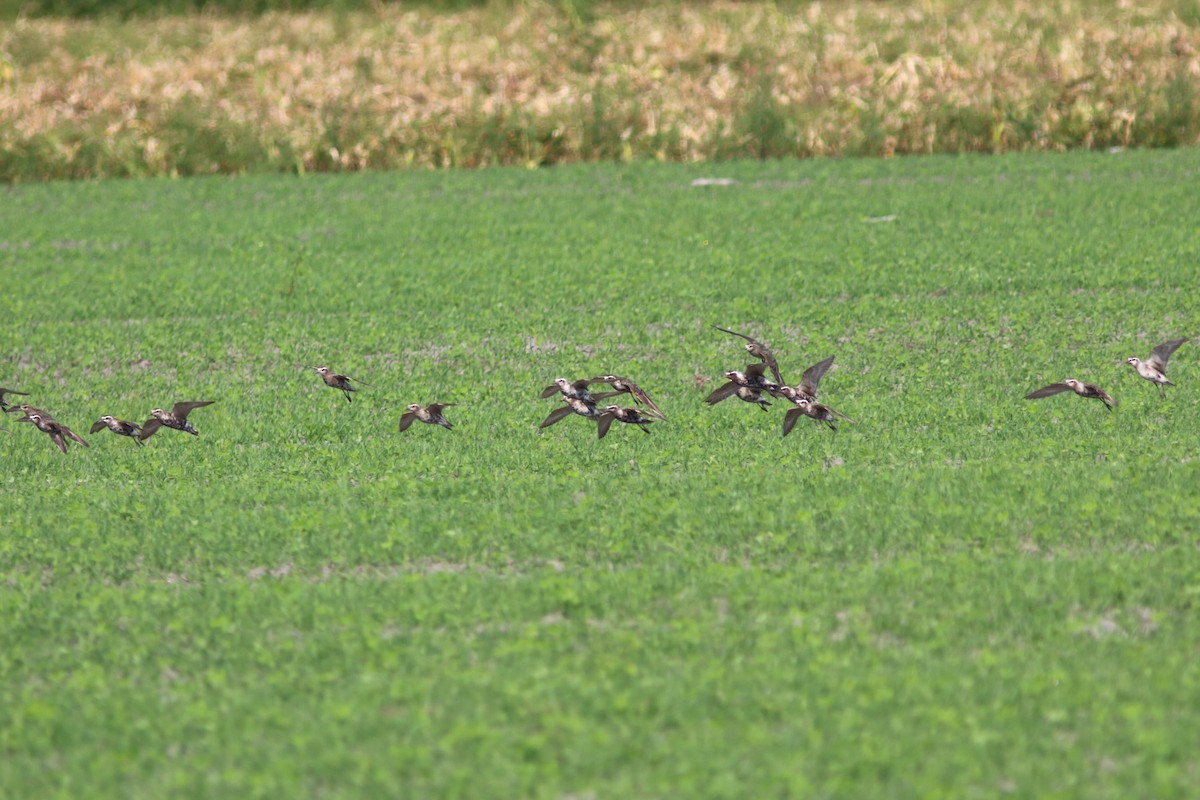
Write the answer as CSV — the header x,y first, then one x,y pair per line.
x,y
958,594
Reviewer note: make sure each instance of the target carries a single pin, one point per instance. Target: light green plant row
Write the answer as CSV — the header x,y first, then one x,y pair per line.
x,y
958,593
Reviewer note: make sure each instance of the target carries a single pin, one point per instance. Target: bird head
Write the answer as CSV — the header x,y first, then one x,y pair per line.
x,y
1133,362
414,407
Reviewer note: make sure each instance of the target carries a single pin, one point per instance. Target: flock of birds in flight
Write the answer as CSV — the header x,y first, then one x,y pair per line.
x,y
749,385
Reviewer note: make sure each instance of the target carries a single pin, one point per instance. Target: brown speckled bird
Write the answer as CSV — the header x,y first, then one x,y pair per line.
x,y
630,416
58,432
759,350
118,426
1089,390
431,414
335,380
573,405
1154,369
577,390
29,411
176,418
811,408
808,382
4,406
622,385
731,389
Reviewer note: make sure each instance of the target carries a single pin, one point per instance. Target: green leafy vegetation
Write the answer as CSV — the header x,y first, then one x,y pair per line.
x,y
961,593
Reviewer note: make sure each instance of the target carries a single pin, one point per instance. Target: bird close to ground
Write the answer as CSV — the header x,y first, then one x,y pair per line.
x,y
759,350
176,418
4,406
1089,390
1154,369
577,390
807,387
29,411
630,416
811,408
118,426
574,405
621,385
752,378
431,414
335,380
58,432
731,389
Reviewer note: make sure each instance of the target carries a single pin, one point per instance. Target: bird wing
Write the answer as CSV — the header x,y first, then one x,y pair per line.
x,y
603,395
356,380
550,391
789,419
770,361
640,395
72,434
13,391
603,424
406,419
1046,391
755,370
1096,391
57,437
812,376
436,408
181,410
735,333
148,428
837,413
557,415
98,425
721,392
1160,354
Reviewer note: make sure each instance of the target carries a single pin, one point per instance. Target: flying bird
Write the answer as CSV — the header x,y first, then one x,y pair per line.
x,y
118,426
811,408
58,432
1155,368
176,418
731,389
630,416
29,412
758,350
808,382
573,405
431,414
1089,390
622,385
577,390
4,406
335,380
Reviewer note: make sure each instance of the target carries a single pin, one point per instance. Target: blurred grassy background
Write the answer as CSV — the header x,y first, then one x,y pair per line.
x,y
243,86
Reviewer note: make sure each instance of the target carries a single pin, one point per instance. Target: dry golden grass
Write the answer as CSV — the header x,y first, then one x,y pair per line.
x,y
527,84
